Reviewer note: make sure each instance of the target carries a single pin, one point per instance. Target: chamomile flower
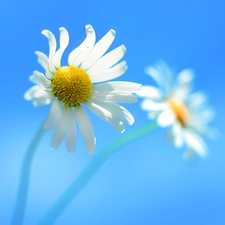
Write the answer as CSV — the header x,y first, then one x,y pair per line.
x,y
173,105
68,88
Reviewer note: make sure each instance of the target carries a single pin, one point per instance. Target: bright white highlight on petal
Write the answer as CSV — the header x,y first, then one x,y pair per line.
x,y
108,60
166,118
99,49
119,97
107,116
150,92
117,86
119,111
152,105
110,73
86,129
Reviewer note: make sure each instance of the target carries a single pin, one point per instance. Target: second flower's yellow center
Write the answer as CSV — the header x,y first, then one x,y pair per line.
x,y
179,110
71,85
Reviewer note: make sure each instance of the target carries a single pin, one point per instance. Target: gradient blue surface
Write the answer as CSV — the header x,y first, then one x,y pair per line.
x,y
146,182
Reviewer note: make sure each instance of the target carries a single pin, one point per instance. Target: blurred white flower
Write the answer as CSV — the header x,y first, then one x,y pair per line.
x,y
70,87
174,105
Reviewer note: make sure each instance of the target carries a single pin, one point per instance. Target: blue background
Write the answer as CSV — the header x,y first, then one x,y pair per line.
x,y
146,182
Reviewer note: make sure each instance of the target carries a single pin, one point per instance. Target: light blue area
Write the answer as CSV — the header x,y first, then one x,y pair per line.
x,y
146,182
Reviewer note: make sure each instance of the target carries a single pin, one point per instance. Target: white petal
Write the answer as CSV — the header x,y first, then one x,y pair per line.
x,y
54,115
119,97
45,99
64,41
177,135
52,48
154,73
195,142
153,115
162,74
43,60
108,60
184,84
34,92
117,110
39,78
38,95
166,118
129,87
86,129
153,105
99,49
185,76
106,116
88,43
60,128
196,99
150,92
110,73
70,135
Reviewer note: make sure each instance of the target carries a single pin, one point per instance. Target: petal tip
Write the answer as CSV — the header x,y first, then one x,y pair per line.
x,y
113,32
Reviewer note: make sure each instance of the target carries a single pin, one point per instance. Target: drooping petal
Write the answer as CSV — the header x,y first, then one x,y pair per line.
x,y
99,49
64,41
52,48
39,78
119,111
106,116
110,73
43,61
70,135
54,115
108,60
166,118
119,97
86,129
88,43
120,86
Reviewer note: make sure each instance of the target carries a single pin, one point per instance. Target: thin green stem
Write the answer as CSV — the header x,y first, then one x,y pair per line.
x,y
60,204
22,193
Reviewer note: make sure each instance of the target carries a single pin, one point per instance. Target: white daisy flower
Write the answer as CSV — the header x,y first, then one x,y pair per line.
x,y
174,105
71,87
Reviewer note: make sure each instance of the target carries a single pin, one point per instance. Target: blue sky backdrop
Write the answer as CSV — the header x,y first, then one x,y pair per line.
x,y
147,182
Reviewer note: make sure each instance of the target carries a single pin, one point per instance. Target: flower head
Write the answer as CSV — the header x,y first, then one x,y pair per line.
x,y
174,105
70,87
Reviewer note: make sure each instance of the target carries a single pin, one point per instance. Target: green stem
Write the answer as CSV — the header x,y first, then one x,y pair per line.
x,y
21,200
60,204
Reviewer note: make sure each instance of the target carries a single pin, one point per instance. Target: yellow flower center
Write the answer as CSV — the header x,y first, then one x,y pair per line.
x,y
71,85
179,109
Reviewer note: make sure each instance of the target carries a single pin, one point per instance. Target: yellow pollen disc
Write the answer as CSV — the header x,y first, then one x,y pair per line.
x,y
71,85
179,110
